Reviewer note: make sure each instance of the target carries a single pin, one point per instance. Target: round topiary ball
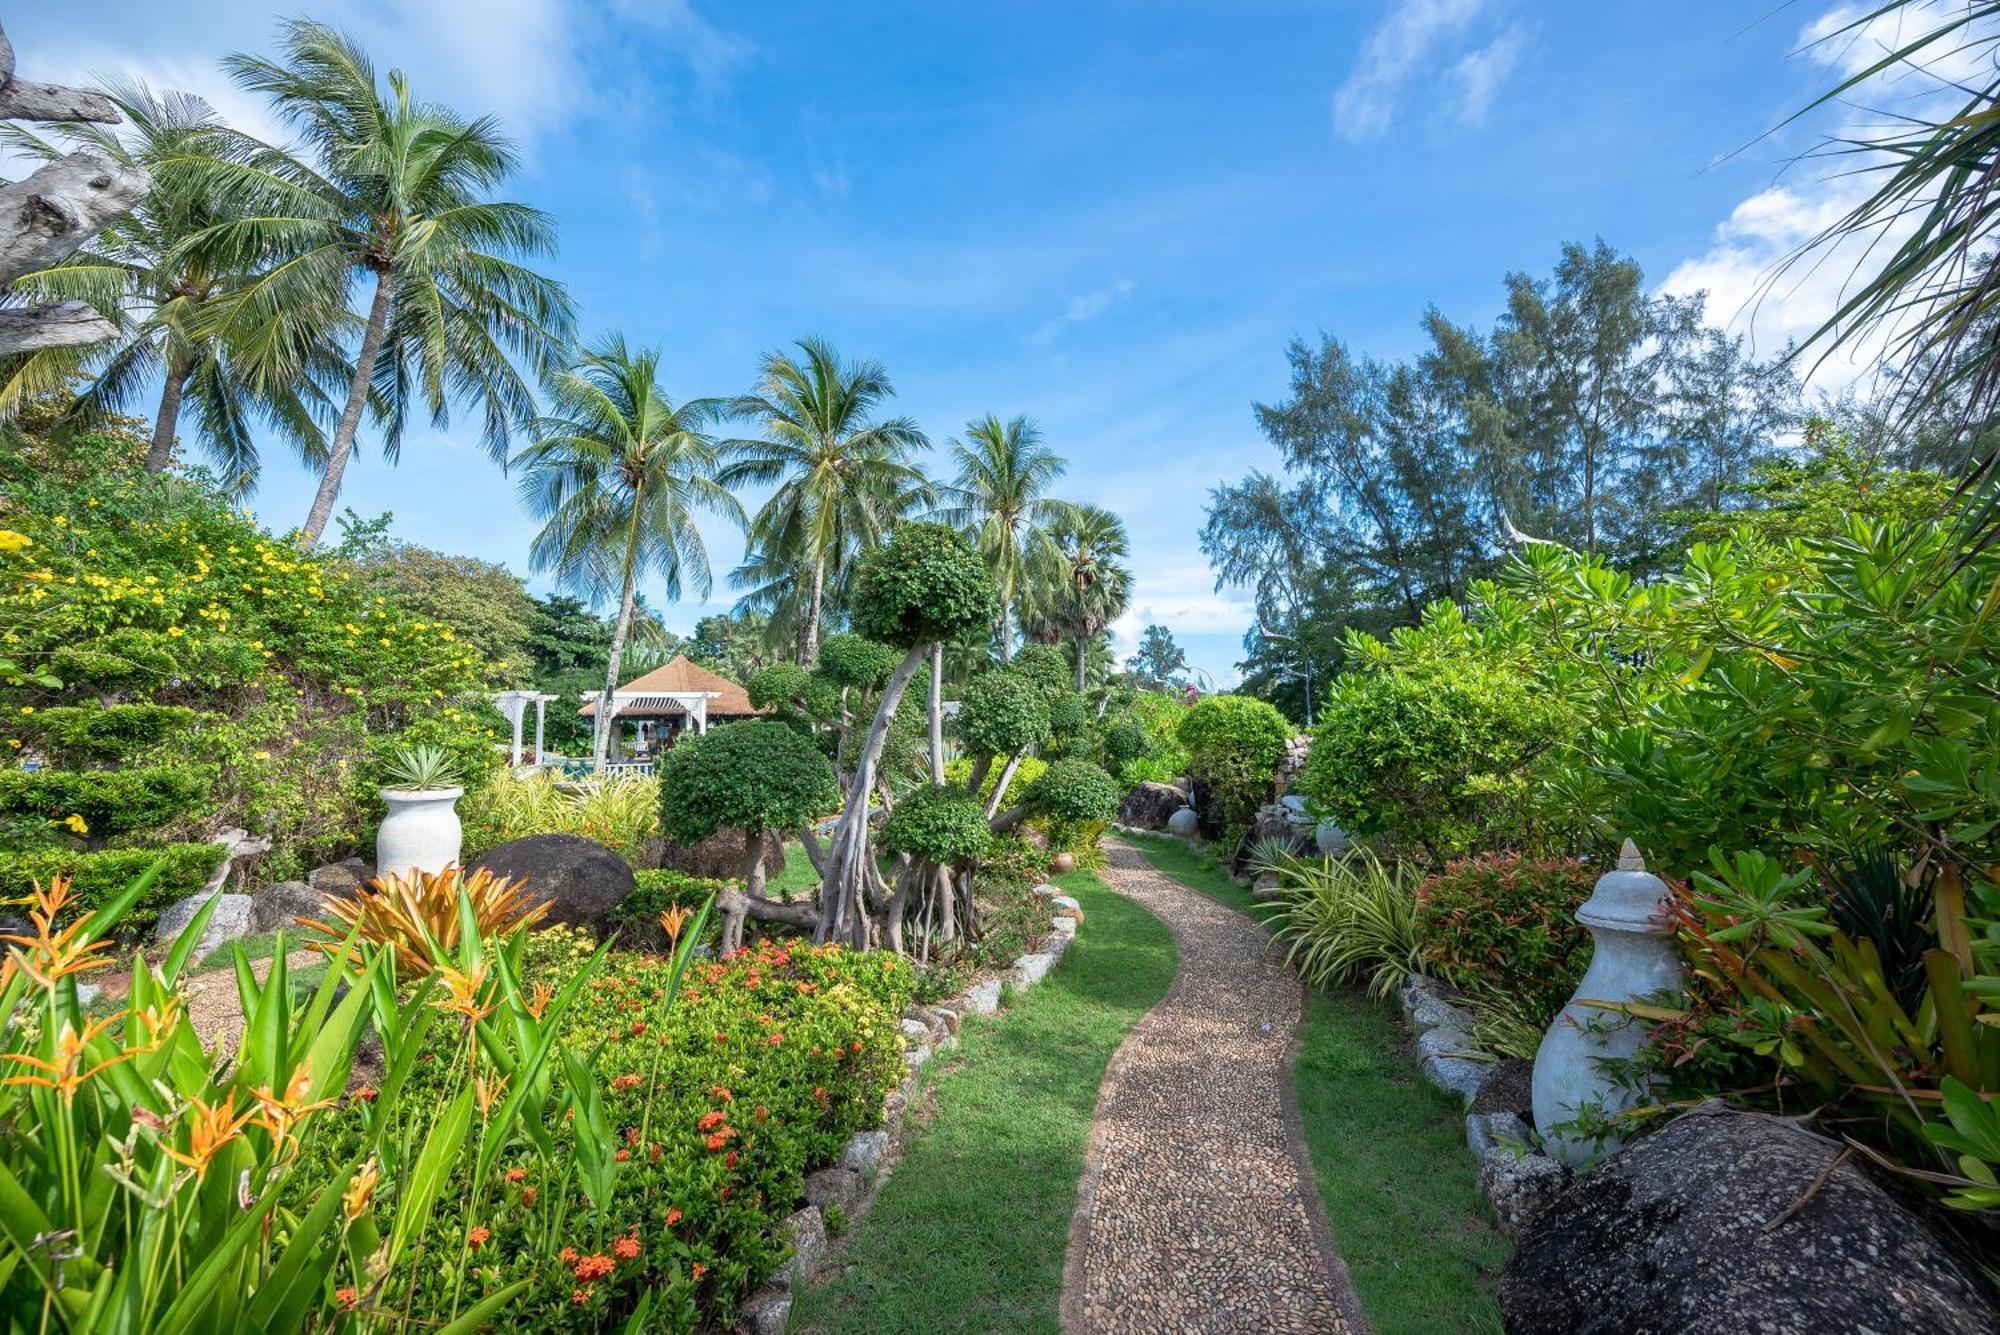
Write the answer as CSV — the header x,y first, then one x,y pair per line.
x,y
1075,791
1002,713
1068,714
1045,665
925,584
1124,742
779,684
755,775
938,824
856,660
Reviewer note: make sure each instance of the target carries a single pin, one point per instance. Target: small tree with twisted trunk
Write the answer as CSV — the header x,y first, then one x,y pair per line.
x,y
939,833
755,776
924,586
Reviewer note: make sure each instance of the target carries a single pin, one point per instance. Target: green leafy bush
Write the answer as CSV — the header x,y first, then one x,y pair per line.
x,y
855,661
959,772
1068,715
80,736
1505,923
755,776
1003,712
1234,744
97,878
925,584
1044,666
656,890
938,824
1157,717
1073,791
1349,920
109,801
621,812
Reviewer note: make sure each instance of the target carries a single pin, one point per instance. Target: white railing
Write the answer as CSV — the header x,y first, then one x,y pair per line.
x,y
616,768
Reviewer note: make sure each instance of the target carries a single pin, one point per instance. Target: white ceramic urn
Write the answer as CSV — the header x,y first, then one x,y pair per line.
x,y
421,833
1633,960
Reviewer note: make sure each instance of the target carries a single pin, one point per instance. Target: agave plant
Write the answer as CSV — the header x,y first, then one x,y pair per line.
x,y
426,918
421,768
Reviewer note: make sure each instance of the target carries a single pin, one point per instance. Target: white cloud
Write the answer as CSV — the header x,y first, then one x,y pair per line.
x,y
1756,286
1084,308
1399,48
1478,75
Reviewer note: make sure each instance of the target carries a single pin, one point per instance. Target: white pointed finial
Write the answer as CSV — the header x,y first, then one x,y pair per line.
x,y
1629,859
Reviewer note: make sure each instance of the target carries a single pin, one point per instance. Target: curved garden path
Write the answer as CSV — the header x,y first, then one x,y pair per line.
x,y
1197,1211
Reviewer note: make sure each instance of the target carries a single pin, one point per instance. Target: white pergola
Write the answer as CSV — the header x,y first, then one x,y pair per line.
x,y
514,704
656,704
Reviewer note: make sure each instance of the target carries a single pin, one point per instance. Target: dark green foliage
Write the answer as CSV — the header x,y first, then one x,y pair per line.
x,y
1074,791
654,891
1044,665
1234,744
754,775
1871,899
924,585
96,878
778,686
1068,715
1439,759
110,802
940,824
82,735
1505,924
855,660
1125,741
1002,713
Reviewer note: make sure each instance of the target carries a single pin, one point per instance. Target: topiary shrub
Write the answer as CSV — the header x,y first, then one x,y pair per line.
x,y
1438,758
856,661
752,776
1234,744
1069,716
96,878
1074,791
80,736
108,802
938,824
1044,665
924,585
778,686
959,772
1504,923
1125,743
1001,713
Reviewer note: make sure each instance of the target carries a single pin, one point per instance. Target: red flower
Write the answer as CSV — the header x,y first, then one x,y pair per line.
x,y
719,1139
775,1039
722,1038
567,1256
626,1248
346,1298
673,1215
720,1092
762,1112
657,1151
711,1120
638,1028
477,1235
367,1094
528,1195
699,1270
622,1156
625,1082
729,1160
579,1296
517,1174
595,1266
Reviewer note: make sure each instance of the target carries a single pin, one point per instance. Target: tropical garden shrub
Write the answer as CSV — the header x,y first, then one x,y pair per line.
x,y
754,776
1002,713
622,812
1349,920
1501,922
959,773
1073,800
81,736
657,892
95,879
1152,752
1234,744
125,589
106,802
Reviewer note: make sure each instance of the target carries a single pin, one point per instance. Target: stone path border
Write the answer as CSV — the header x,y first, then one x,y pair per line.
x,y
1197,1210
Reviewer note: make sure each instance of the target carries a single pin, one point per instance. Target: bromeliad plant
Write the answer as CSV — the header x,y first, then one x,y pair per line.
x,y
425,920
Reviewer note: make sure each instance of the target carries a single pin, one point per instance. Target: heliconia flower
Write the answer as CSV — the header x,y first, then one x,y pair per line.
x,y
212,1127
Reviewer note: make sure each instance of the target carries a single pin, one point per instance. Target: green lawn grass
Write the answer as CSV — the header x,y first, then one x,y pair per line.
x,y
969,1233
1387,1150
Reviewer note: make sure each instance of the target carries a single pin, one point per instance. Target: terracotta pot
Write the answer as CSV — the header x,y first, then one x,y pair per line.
x,y
1061,863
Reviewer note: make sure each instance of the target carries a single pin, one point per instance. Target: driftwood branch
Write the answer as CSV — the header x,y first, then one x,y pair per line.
x,y
49,216
24,100
69,325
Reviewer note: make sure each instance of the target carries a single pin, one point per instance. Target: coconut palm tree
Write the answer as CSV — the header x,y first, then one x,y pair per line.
x,y
1085,587
843,478
163,300
616,473
396,197
1001,498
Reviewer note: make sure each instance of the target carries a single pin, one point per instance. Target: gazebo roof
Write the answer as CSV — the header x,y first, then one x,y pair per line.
x,y
681,677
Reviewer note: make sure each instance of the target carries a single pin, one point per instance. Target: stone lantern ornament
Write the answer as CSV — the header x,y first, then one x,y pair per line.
x,y
1633,961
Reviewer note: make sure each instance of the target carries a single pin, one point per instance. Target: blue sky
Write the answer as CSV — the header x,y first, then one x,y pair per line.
x,y
1111,217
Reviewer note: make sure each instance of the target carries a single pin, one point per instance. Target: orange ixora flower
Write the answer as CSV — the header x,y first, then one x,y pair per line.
x,y
626,1248
210,1130
66,1073
476,1236
49,954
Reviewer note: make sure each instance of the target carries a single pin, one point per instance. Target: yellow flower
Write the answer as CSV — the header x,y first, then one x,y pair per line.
x,y
10,541
175,631
27,709
59,521
76,823
360,1190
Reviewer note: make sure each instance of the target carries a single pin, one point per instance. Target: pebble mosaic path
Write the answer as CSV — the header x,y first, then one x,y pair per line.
x,y
1197,1211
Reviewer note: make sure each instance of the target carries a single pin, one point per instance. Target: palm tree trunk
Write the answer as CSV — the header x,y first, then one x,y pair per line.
x,y
1081,645
165,422
619,629
811,655
350,416
1006,628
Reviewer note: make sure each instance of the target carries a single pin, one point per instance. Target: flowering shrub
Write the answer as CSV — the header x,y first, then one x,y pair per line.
x,y
1507,923
686,1138
1233,746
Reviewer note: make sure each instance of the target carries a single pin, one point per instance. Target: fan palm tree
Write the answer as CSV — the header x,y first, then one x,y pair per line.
x,y
616,473
1001,498
1085,587
397,196
843,478
163,300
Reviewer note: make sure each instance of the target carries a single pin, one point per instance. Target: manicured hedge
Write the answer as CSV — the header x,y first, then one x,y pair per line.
x,y
94,734
109,801
97,877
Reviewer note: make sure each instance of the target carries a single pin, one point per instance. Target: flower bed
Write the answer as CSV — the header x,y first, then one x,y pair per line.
x,y
689,1148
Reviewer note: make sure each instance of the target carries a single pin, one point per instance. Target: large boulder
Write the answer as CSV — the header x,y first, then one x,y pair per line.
x,y
341,880
1150,806
580,880
279,907
1725,1221
720,856
230,921
1276,823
